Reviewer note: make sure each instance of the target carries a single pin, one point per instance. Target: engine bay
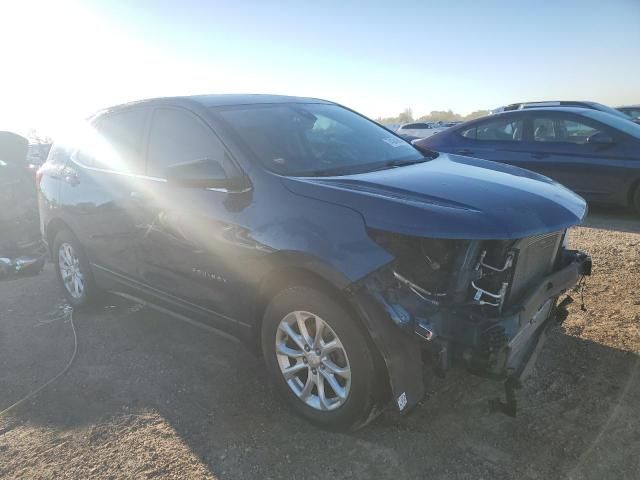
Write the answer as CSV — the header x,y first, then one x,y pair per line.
x,y
470,273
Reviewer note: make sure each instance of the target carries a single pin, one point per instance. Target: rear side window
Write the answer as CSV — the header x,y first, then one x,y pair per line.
x,y
544,130
122,134
178,136
561,130
499,130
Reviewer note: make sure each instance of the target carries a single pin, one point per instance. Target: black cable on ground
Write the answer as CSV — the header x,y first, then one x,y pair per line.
x,y
49,382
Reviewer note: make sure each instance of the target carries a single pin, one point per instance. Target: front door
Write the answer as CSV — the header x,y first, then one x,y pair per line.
x,y
594,171
503,139
191,244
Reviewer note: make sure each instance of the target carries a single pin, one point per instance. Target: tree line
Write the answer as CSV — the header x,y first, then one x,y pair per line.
x,y
406,116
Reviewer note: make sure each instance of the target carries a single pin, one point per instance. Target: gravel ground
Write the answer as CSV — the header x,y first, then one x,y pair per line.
x,y
152,397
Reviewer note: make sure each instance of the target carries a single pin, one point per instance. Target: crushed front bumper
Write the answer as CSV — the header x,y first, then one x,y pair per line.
x,y
403,326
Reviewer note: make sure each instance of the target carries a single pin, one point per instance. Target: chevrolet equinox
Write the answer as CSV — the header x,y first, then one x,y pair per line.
x,y
343,254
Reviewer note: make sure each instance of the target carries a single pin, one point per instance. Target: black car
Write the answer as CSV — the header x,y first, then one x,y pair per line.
x,y
318,237
21,247
593,153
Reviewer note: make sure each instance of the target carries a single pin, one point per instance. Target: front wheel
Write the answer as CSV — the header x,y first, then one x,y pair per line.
x,y
320,359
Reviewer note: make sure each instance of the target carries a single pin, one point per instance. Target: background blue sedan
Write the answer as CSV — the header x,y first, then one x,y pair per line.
x,y
591,152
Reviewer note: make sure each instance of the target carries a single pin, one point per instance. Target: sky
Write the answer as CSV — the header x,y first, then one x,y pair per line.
x,y
63,59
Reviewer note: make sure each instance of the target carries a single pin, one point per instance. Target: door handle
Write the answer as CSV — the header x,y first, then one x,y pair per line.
x,y
464,151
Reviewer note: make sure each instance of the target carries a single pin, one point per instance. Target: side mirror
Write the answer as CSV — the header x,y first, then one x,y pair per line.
x,y
205,173
600,138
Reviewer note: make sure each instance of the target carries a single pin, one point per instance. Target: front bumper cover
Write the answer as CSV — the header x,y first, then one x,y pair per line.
x,y
402,327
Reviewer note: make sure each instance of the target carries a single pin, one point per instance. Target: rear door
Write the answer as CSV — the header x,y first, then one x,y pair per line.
x,y
502,139
597,172
98,187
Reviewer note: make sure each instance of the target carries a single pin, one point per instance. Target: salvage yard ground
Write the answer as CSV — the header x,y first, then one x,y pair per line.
x,y
151,397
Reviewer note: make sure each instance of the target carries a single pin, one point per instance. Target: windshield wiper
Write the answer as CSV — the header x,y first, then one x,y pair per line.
x,y
355,169
398,163
402,163
427,152
328,172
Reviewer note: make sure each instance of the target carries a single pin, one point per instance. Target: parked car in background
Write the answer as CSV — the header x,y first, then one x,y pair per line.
x,y
21,247
631,110
593,153
569,103
419,130
324,241
37,153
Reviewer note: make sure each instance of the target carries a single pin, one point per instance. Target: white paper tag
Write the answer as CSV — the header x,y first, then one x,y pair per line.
x,y
394,142
402,401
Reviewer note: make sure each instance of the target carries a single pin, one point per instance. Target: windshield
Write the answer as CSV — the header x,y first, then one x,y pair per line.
x,y
619,123
612,111
633,112
314,139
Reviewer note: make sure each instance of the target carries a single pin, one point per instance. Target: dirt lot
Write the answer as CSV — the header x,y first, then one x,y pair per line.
x,y
152,397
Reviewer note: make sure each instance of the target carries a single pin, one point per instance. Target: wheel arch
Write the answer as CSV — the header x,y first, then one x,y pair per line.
x,y
52,228
285,269
634,191
315,275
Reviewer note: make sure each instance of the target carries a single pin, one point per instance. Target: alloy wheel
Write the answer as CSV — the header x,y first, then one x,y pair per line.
x,y
313,360
72,277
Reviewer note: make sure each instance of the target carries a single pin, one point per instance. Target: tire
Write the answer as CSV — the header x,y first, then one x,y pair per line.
x,y
68,256
354,402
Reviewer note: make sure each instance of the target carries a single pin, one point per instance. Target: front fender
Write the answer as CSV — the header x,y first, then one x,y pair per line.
x,y
402,353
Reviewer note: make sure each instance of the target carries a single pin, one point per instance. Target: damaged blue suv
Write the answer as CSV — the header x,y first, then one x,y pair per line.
x,y
343,254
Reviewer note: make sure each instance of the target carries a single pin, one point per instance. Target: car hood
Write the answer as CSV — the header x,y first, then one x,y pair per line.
x,y
451,197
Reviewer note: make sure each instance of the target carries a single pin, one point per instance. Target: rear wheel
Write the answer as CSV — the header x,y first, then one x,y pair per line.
x,y
320,360
74,273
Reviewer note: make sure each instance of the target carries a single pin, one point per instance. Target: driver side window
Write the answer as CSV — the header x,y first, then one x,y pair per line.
x,y
178,136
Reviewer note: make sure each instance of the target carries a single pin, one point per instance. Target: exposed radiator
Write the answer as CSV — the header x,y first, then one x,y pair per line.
x,y
535,259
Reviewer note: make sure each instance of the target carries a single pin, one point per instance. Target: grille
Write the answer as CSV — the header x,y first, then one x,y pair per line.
x,y
535,259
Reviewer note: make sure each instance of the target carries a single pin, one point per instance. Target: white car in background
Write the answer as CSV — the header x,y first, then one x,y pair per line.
x,y
419,129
